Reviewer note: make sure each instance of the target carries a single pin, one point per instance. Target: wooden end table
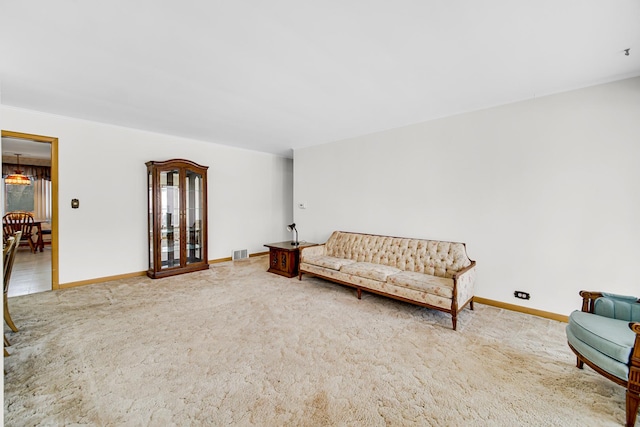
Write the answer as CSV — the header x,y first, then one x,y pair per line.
x,y
284,257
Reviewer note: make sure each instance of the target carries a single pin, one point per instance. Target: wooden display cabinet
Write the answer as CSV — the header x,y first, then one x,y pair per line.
x,y
177,217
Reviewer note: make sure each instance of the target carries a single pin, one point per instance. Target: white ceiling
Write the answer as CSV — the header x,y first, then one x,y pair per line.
x,y
276,75
26,148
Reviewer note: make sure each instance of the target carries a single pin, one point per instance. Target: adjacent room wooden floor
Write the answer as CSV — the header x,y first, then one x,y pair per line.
x,y
31,272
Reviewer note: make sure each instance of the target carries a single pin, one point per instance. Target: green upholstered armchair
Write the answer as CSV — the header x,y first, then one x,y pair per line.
x,y
605,335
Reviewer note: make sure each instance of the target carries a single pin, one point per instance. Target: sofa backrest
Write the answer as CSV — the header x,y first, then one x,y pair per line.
x,y
442,259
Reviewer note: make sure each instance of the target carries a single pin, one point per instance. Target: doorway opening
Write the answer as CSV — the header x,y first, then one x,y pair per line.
x,y
34,149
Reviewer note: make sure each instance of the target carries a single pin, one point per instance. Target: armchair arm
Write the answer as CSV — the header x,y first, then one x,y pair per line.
x,y
588,298
310,251
634,361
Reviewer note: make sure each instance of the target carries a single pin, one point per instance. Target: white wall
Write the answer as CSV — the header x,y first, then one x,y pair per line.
x,y
546,192
249,193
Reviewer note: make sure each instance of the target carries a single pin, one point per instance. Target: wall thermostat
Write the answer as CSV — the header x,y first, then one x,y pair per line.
x,y
75,203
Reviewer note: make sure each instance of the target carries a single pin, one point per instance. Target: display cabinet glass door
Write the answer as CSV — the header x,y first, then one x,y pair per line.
x,y
170,219
193,213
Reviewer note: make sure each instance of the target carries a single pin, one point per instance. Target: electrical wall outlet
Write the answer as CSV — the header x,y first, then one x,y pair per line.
x,y
521,295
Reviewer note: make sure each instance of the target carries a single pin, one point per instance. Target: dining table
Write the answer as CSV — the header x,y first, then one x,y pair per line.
x,y
39,241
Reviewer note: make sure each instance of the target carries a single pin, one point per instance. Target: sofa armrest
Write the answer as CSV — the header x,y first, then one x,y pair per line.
x,y
310,251
464,270
464,284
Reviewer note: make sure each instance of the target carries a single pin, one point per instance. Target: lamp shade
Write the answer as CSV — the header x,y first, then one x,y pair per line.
x,y
292,227
17,179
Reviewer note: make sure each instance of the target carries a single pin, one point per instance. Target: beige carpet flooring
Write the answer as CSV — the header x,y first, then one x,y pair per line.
x,y
235,345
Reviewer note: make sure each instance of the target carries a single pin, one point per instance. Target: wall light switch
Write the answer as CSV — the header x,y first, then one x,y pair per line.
x,y
75,203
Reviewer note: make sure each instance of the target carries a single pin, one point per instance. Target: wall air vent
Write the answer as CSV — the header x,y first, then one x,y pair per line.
x,y
240,254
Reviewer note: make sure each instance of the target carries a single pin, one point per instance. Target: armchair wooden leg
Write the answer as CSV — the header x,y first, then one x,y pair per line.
x,y
633,401
579,363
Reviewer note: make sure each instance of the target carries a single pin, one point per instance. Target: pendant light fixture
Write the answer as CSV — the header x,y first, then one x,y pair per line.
x,y
17,178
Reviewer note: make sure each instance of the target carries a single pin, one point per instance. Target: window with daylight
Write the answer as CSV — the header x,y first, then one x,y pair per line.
x,y
19,198
34,197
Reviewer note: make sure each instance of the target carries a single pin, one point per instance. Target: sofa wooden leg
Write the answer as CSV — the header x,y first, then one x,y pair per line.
x,y
471,305
359,293
633,401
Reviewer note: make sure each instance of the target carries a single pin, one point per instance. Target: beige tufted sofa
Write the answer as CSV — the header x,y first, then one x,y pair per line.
x,y
429,273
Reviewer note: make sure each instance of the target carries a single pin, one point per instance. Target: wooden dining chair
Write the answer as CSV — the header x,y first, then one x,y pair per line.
x,y
6,252
9,259
13,222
